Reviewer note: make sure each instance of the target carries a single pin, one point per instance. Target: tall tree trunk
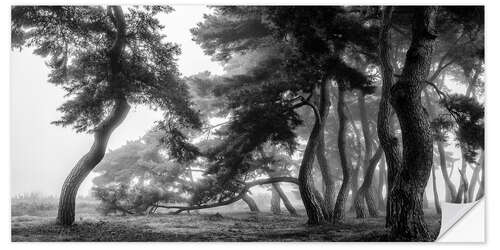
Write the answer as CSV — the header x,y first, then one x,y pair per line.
x,y
451,190
285,199
326,170
407,192
387,138
66,211
275,201
339,210
365,192
311,198
435,191
250,202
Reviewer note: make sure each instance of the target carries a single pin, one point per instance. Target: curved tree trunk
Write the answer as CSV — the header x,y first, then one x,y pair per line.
x,y
407,192
284,198
435,191
326,170
339,210
275,201
250,202
365,191
311,198
388,140
66,212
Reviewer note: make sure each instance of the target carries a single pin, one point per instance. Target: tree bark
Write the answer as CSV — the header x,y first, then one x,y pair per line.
x,y
311,198
365,191
250,202
325,168
284,198
407,192
339,210
66,211
388,140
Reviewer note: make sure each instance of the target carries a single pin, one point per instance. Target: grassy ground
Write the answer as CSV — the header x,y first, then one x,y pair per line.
x,y
207,226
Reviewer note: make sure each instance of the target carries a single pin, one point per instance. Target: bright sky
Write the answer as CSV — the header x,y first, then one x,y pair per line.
x,y
43,154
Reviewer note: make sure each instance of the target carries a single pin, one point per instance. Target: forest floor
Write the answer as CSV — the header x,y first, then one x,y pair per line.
x,y
206,226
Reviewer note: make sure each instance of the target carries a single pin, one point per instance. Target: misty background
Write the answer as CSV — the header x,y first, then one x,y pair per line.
x,y
43,154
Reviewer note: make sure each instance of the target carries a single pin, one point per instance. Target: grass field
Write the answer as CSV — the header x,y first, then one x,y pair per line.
x,y
235,226
33,219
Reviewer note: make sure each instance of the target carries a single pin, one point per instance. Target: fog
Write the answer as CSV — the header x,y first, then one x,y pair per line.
x,y
42,154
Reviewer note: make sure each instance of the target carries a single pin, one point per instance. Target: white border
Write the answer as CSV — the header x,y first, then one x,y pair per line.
x,y
493,121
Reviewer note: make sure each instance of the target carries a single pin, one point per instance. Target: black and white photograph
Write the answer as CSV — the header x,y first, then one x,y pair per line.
x,y
245,123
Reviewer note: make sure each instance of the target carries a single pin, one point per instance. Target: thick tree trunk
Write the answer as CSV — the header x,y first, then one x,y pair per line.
x,y
435,191
365,191
407,192
250,202
388,140
339,210
275,201
311,198
66,212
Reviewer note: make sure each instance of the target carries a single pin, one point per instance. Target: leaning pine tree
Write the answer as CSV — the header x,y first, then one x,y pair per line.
x,y
105,59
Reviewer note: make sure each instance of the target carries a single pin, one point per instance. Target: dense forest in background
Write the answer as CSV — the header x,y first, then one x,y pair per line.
x,y
358,108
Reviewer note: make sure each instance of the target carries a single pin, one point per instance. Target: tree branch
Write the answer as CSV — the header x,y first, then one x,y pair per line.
x,y
234,199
